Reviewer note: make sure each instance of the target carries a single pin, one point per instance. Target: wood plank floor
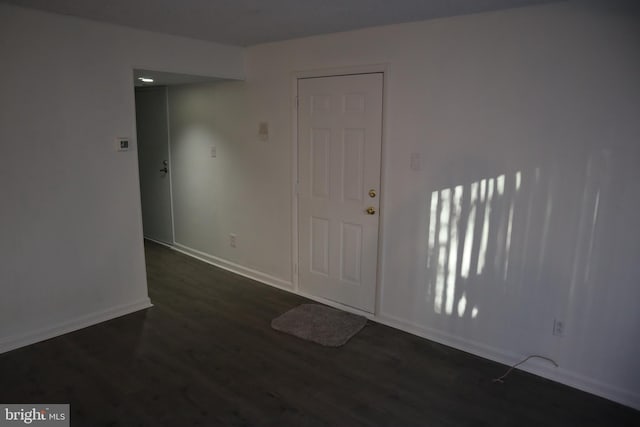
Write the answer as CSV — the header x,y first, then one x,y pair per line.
x,y
205,355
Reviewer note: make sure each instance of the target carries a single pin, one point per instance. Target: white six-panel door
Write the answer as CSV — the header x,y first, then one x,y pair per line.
x,y
339,149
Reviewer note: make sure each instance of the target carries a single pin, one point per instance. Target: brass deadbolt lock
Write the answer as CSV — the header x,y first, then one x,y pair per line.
x,y
372,193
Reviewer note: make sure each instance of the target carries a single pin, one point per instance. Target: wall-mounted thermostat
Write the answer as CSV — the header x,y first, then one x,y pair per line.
x,y
123,144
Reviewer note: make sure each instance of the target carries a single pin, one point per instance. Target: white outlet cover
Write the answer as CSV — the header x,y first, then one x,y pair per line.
x,y
213,151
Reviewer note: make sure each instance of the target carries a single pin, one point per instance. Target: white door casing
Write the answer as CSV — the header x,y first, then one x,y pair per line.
x,y
153,158
339,157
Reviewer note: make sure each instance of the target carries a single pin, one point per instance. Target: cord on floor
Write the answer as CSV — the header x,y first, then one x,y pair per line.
x,y
501,378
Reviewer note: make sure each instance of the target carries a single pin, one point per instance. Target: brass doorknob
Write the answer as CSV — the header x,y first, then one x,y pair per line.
x,y
372,193
371,210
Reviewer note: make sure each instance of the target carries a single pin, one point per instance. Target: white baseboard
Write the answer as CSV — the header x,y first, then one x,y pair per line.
x,y
234,268
168,245
534,366
22,340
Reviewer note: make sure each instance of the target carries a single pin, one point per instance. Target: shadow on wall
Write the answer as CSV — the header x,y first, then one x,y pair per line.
x,y
499,235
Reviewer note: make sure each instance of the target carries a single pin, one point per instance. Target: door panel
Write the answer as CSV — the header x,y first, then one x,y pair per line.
x,y
339,137
353,165
320,246
153,158
351,246
320,154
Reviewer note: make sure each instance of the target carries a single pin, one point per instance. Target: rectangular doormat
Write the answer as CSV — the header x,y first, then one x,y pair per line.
x,y
320,324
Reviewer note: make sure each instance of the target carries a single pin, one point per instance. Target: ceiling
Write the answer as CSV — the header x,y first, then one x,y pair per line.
x,y
249,22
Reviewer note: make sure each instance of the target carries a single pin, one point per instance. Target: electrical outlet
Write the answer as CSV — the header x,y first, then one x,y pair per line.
x,y
558,328
213,152
232,240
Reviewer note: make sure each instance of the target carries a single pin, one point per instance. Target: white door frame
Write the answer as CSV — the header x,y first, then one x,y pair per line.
x,y
173,214
330,72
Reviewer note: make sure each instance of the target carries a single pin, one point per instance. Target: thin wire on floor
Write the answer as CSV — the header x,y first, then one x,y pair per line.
x,y
501,378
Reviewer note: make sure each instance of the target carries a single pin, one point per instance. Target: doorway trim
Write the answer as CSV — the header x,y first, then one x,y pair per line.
x,y
332,72
173,214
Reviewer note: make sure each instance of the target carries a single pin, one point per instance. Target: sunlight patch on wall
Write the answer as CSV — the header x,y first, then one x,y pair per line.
x,y
443,239
453,248
468,240
432,226
508,243
462,305
468,224
485,228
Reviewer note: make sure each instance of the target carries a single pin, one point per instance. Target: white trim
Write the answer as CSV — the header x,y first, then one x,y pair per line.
x,y
22,340
294,183
382,191
233,267
168,245
173,223
560,375
295,256
259,277
536,367
340,71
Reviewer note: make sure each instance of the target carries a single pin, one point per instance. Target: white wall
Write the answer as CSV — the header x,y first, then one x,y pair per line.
x,y
71,249
244,190
538,104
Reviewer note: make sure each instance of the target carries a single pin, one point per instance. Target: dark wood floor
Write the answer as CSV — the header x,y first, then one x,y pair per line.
x,y
205,355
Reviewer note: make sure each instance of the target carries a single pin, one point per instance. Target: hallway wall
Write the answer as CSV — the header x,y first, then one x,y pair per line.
x,y
71,249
